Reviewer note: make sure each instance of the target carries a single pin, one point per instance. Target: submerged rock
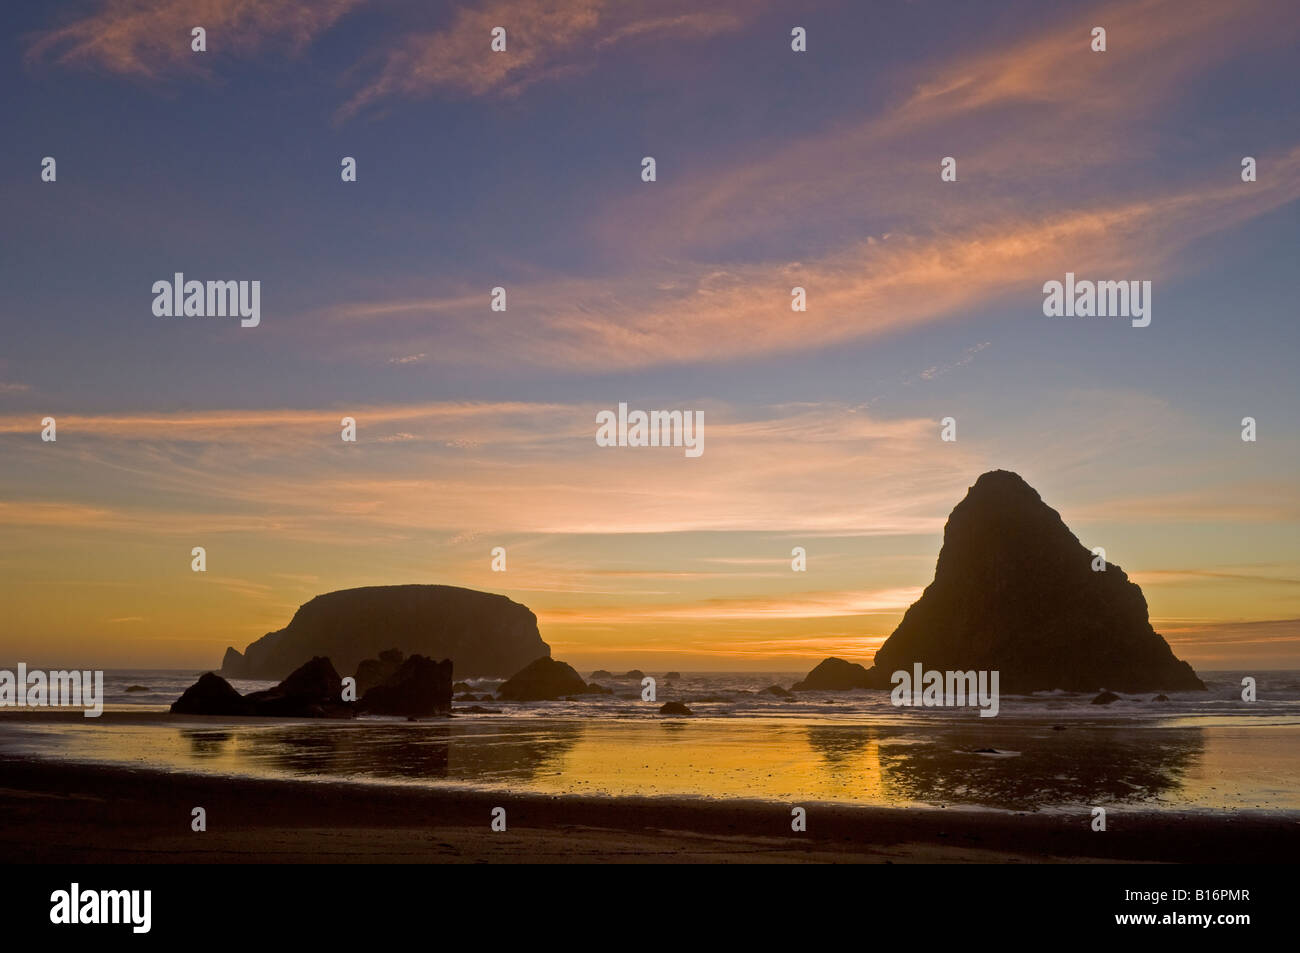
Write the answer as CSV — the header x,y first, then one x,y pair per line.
x,y
1105,698
671,675
778,691
674,708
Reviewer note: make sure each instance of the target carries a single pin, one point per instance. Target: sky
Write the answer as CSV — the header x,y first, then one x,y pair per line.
x,y
522,169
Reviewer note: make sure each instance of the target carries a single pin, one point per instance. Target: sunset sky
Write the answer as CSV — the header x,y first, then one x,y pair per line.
x,y
523,170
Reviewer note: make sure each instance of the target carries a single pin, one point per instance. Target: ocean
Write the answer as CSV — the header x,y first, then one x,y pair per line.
x,y
736,694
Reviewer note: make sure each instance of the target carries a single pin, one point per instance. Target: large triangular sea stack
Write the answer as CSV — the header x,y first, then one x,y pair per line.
x,y
1014,590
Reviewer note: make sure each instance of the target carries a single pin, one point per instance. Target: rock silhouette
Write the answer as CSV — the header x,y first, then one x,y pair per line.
x,y
834,675
1014,590
419,688
374,671
484,634
313,690
211,695
544,679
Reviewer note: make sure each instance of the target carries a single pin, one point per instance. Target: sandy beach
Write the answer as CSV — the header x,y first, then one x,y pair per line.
x,y
139,810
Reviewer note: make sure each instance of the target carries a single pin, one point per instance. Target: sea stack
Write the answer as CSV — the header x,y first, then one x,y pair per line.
x,y
485,635
1015,591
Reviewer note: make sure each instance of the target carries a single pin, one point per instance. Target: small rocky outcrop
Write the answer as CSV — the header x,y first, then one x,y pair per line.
x,y
374,671
211,695
674,708
778,691
420,688
1105,698
834,675
545,679
313,690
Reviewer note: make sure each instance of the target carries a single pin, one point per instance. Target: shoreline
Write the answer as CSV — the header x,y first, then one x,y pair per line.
x,y
56,812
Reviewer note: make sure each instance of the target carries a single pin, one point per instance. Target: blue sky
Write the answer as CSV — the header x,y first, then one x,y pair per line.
x,y
521,169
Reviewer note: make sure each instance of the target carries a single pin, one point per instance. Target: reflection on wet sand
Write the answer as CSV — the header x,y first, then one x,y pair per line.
x,y
422,752
207,744
1013,766
1021,768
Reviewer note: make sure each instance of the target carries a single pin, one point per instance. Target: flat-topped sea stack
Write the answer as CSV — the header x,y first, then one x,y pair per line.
x,y
485,635
1015,591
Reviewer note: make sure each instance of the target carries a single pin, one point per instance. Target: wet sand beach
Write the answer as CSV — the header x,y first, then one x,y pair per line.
x,y
122,788
60,813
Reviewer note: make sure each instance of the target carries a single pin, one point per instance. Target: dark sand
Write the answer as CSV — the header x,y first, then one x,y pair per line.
x,y
59,813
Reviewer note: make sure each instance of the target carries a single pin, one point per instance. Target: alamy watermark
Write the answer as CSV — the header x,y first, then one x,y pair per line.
x,y
936,689
75,905
656,428
1101,299
56,689
212,299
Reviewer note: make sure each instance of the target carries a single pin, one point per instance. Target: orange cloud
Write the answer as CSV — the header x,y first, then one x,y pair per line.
x,y
148,38
545,39
1020,117
524,468
808,605
865,289
1152,45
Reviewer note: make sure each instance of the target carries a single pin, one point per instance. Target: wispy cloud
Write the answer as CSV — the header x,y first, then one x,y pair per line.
x,y
150,38
810,605
524,468
545,39
1004,110
678,314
